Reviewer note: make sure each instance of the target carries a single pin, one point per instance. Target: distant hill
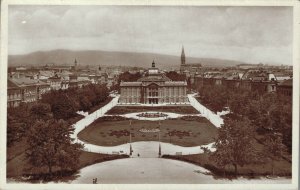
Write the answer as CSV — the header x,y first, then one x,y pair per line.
x,y
95,57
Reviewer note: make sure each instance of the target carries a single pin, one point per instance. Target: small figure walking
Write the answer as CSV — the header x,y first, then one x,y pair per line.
x,y
138,155
94,180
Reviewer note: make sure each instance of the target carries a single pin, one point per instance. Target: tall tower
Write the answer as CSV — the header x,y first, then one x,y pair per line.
x,y
75,63
182,56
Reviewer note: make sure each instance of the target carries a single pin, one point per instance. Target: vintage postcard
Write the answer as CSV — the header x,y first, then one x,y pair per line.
x,y
149,94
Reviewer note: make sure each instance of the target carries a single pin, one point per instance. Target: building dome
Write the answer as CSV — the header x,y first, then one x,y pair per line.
x,y
153,70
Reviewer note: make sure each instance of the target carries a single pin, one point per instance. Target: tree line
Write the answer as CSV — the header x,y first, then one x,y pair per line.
x,y
65,103
254,118
132,77
46,126
126,77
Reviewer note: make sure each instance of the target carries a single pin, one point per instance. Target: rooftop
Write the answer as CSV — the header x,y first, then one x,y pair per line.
x,y
46,73
11,84
288,83
175,83
130,83
23,81
158,77
19,82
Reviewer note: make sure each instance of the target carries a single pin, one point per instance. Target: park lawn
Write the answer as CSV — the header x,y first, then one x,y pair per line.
x,y
182,131
182,109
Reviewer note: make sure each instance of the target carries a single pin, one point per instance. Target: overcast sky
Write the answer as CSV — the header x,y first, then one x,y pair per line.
x,y
250,34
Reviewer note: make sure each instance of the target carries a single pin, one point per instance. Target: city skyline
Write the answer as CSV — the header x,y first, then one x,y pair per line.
x,y
232,33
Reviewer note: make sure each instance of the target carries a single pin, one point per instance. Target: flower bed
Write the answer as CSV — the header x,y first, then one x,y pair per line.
x,y
179,134
120,133
152,115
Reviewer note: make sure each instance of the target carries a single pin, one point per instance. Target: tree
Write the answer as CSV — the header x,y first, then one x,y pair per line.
x,y
40,111
268,113
63,107
215,98
101,93
50,145
174,76
15,130
238,103
129,77
68,157
234,144
274,148
65,103
85,104
18,121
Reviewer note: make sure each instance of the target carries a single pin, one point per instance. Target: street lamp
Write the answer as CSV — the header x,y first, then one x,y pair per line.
x,y
159,147
130,148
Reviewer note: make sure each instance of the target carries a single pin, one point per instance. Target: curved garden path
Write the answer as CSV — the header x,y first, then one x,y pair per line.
x,y
144,148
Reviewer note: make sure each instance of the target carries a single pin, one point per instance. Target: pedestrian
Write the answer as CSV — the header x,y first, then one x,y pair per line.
x,y
138,155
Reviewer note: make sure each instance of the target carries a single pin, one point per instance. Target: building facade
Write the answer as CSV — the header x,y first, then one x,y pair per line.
x,y
153,88
261,86
14,94
55,82
25,90
285,88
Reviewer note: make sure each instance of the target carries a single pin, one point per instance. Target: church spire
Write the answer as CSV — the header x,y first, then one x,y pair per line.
x,y
182,56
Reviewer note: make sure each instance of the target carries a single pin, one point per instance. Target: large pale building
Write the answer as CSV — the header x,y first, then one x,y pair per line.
x,y
153,88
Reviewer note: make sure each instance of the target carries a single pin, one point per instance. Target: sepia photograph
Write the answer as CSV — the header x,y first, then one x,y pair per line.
x,y
150,93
